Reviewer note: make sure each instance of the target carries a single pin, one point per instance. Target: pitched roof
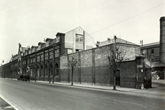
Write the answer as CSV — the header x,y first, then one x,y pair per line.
x,y
41,43
118,40
24,49
151,44
47,39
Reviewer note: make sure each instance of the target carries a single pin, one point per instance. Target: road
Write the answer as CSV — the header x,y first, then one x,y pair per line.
x,y
38,96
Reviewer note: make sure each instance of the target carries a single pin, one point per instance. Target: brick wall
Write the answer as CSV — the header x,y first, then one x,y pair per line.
x,y
103,73
128,74
86,66
93,66
76,74
64,70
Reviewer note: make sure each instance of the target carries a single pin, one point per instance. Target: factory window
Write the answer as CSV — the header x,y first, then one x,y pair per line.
x,y
57,53
79,38
77,50
69,51
152,51
46,55
34,59
51,55
38,58
42,57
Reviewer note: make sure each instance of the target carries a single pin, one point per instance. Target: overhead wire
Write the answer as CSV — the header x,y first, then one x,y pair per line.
x,y
127,19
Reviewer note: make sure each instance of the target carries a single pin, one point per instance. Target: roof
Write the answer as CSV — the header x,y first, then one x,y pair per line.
x,y
124,41
49,39
79,27
118,40
24,49
162,18
59,33
157,65
33,46
149,45
41,43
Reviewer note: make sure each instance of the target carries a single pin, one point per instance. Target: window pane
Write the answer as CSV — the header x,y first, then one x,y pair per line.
x,y
51,55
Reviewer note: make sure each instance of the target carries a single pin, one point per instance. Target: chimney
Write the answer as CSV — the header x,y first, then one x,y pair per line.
x,y
162,40
97,44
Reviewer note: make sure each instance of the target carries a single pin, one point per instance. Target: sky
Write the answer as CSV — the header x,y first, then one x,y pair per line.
x,y
31,21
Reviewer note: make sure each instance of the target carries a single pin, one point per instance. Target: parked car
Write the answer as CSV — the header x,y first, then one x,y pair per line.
x,y
24,77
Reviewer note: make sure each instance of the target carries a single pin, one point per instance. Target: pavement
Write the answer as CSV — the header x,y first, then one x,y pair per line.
x,y
158,83
4,105
157,90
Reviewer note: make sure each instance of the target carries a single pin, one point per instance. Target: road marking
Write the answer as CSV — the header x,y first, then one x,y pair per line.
x,y
11,104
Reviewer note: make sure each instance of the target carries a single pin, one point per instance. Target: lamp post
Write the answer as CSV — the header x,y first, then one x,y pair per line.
x,y
72,63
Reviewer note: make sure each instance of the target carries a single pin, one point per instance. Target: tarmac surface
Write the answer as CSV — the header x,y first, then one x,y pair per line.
x,y
157,90
4,105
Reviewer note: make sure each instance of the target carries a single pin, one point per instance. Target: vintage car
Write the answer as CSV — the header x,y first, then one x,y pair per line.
x,y
24,77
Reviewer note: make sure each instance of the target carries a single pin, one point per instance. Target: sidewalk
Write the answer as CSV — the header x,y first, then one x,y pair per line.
x,y
158,83
89,86
157,90
4,105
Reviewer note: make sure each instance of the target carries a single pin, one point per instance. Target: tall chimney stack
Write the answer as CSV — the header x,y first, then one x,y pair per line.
x,y
162,40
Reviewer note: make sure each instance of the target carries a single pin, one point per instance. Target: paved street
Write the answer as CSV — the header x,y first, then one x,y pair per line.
x,y
41,96
4,105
